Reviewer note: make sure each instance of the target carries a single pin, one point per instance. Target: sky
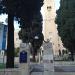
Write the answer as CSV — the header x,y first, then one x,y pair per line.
x,y
57,4
3,17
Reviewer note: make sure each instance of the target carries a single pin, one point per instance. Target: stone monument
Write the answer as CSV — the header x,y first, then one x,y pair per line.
x,y
48,56
24,58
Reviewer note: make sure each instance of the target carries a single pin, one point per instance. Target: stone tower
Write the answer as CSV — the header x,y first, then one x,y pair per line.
x,y
50,28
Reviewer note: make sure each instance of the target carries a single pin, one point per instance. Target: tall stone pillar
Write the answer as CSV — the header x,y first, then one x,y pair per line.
x,y
24,58
48,60
50,28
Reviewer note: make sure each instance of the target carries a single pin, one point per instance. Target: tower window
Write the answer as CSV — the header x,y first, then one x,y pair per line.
x,y
48,8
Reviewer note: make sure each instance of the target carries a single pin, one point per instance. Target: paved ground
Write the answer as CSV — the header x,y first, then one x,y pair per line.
x,y
65,68
37,73
38,69
59,73
53,73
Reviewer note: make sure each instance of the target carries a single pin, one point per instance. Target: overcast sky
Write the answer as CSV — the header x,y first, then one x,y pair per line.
x,y
3,17
57,4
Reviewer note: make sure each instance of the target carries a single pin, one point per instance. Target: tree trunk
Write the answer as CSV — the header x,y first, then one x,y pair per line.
x,y
10,42
72,57
34,59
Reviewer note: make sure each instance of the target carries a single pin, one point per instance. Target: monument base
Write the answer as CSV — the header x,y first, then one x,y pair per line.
x,y
48,57
24,69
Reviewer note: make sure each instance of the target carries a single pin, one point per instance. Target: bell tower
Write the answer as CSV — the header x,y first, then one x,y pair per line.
x,y
50,28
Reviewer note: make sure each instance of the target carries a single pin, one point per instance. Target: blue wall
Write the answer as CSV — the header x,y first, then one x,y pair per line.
x,y
3,36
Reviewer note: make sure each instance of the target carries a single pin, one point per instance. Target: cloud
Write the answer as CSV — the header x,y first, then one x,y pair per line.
x,y
57,4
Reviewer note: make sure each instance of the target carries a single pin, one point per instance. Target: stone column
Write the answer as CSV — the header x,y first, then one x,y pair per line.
x,y
24,58
48,57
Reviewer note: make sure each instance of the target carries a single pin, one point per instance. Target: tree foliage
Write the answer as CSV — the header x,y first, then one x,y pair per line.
x,y
31,25
35,29
6,6
17,50
23,10
66,24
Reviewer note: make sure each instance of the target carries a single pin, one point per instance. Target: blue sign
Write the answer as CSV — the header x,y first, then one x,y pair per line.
x,y
23,57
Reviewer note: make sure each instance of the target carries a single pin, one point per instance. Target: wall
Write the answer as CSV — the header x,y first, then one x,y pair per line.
x,y
3,36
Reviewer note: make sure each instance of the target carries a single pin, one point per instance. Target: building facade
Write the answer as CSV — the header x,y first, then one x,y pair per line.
x,y
3,36
50,28
17,41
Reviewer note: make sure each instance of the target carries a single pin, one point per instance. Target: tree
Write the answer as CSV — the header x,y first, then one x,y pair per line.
x,y
30,34
13,8
59,52
6,6
66,24
17,51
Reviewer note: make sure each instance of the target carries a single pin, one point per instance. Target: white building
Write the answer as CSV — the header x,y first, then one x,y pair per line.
x,y
50,28
17,41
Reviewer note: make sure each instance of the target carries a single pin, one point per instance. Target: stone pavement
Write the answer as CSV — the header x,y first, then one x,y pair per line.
x,y
53,73
38,69
59,73
37,73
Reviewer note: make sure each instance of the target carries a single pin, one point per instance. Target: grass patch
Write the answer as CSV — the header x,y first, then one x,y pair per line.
x,y
2,65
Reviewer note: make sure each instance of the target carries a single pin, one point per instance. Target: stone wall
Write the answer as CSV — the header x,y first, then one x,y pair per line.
x,y
10,72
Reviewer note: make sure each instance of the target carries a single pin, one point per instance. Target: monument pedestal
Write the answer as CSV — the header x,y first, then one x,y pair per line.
x,y
24,69
48,57
24,58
